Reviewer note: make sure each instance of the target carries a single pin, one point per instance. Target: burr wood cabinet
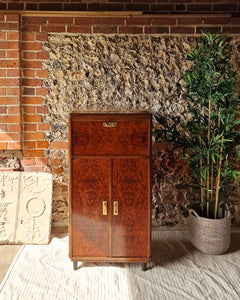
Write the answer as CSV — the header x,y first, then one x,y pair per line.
x,y
109,187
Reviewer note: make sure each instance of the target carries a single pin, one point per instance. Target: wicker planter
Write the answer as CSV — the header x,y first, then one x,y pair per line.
x,y
211,236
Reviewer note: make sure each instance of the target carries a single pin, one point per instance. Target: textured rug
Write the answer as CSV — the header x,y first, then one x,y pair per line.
x,y
177,271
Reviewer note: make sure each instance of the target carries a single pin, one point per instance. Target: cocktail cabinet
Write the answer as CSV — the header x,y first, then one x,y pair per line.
x,y
110,187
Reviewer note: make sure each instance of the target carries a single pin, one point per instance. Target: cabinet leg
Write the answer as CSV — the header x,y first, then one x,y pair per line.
x,y
75,265
144,267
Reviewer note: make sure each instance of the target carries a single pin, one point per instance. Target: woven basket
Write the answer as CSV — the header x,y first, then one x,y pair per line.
x,y
211,236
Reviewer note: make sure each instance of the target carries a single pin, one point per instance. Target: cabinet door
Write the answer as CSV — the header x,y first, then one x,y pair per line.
x,y
130,227
90,187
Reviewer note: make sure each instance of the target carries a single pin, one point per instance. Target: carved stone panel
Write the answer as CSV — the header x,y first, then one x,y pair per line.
x,y
25,207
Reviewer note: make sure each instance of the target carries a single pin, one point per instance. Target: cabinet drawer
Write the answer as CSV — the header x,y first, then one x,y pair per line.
x,y
114,137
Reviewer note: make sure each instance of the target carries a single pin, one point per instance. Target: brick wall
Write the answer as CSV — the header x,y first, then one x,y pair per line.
x,y
22,72
33,32
150,6
10,117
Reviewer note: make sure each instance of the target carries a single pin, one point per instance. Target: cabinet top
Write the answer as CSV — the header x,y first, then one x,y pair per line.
x,y
106,114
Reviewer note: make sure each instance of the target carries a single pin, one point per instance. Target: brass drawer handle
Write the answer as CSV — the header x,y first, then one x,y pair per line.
x,y
115,208
109,124
104,208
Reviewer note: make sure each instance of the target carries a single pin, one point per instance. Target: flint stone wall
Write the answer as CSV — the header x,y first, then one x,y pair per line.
x,y
122,72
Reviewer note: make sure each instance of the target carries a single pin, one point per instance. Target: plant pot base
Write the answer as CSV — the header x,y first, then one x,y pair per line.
x,y
210,236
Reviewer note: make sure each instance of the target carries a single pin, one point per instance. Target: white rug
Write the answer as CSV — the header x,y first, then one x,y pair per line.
x,y
177,271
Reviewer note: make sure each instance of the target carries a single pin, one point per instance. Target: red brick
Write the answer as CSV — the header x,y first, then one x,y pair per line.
x,y
41,55
33,136
3,128
42,161
28,162
2,91
131,30
32,100
2,35
9,63
41,37
31,82
2,110
79,29
42,109
208,29
30,127
86,21
12,18
42,145
51,28
231,30
41,91
9,100
13,73
3,146
55,162
43,127
28,55
199,7
14,145
42,73
2,54
2,16
112,21
31,46
9,45
215,20
183,30
75,6
190,21
235,21
34,20
9,82
2,73
29,73
60,20
58,170
29,109
13,91
33,153
9,26
105,29
164,21
112,7
162,7
138,21
59,145
10,119
14,128
28,91
50,6
29,145
32,118
13,36
13,110
28,37
9,136
156,30
32,64
31,28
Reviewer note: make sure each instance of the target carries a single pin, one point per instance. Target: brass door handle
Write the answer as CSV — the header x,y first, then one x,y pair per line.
x,y
115,208
109,124
104,208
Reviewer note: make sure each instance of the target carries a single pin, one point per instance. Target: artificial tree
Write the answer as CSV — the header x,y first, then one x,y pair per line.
x,y
210,139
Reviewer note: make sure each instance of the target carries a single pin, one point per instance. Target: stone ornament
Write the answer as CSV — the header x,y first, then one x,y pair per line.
x,y
25,207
